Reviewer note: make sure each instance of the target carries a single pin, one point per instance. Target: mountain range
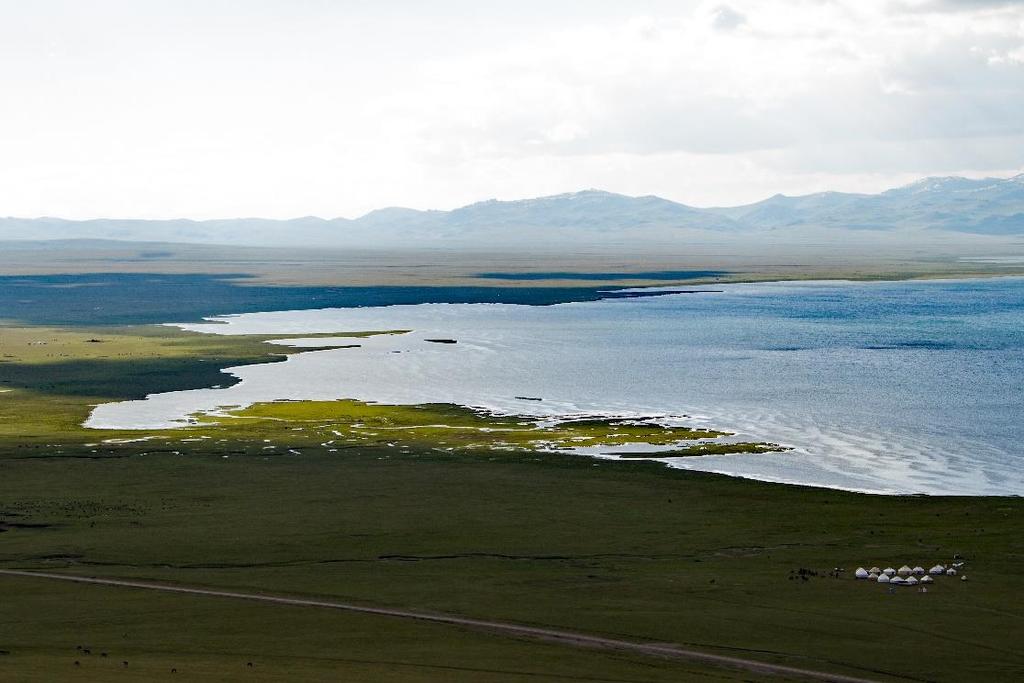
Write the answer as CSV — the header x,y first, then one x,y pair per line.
x,y
990,206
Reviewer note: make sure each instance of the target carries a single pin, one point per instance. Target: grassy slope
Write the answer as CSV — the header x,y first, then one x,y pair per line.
x,y
629,548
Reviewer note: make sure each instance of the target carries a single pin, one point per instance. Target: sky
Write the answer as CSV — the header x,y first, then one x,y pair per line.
x,y
285,108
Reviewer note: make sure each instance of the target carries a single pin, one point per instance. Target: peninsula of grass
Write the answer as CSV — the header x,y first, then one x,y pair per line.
x,y
345,424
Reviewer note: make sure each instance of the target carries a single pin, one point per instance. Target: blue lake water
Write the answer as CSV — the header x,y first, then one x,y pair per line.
x,y
896,387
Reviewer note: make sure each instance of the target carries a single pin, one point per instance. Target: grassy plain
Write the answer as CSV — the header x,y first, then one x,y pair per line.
x,y
215,640
629,549
874,257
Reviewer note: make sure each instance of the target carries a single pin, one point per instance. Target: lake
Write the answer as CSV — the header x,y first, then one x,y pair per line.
x,y
894,387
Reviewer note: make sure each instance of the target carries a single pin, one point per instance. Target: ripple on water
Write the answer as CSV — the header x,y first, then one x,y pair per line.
x,y
886,387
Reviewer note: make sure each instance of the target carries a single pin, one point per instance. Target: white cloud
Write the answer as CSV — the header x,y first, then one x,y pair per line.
x,y
887,94
725,18
953,5
293,108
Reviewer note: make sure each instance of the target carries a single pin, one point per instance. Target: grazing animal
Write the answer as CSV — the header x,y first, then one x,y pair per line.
x,y
78,663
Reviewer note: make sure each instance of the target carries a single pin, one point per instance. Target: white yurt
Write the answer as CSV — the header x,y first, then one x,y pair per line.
x,y
904,571
889,571
937,569
873,576
950,572
861,573
875,570
896,579
918,571
884,578
964,577
927,579
911,581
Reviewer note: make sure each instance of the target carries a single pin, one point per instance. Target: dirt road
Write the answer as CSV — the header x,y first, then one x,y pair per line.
x,y
553,635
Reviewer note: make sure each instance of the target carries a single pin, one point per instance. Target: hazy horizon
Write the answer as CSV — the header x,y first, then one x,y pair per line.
x,y
484,200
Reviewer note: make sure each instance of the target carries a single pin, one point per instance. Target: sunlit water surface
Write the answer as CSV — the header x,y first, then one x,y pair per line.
x,y
886,387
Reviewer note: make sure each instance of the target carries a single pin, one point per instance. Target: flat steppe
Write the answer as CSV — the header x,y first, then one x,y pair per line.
x,y
736,260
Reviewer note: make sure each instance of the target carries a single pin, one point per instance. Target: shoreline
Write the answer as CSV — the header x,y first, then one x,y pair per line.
x,y
752,426
668,461
834,457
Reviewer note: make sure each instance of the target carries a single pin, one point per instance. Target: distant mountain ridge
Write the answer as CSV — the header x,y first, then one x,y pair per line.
x,y
987,206
993,206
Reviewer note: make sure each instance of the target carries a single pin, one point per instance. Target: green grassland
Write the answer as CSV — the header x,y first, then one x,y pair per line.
x,y
483,516
203,639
